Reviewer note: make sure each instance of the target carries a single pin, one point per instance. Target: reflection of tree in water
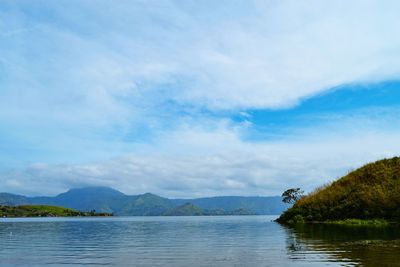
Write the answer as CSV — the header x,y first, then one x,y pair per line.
x,y
365,246
292,243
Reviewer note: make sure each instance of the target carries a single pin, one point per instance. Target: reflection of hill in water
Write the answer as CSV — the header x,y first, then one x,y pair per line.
x,y
365,246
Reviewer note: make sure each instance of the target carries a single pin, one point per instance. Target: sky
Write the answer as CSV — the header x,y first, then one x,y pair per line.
x,y
195,98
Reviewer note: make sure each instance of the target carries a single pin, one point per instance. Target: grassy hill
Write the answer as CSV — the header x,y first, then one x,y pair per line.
x,y
370,192
43,211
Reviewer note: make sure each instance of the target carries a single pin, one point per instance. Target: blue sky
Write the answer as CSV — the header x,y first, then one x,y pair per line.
x,y
189,98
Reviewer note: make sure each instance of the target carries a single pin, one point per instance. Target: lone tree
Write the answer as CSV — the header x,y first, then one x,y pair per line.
x,y
292,195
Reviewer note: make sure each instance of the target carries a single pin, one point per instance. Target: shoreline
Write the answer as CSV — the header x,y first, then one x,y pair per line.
x,y
347,222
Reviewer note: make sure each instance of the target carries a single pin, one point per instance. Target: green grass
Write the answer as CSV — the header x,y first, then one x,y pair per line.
x,y
368,193
44,211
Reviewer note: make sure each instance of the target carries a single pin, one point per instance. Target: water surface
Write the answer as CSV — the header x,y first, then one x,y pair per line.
x,y
191,241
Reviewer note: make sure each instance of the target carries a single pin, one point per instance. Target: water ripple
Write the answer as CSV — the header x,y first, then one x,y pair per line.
x,y
164,241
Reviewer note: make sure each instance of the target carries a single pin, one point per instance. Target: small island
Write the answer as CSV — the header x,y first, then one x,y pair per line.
x,y
45,211
366,196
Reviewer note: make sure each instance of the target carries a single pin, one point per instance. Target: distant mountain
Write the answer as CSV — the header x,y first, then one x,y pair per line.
x,y
258,205
102,199
7,199
187,209
105,199
145,205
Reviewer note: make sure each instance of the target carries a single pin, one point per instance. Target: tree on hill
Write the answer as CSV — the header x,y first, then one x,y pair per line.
x,y
291,195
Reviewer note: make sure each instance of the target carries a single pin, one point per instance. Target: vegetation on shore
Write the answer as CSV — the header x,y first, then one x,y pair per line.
x,y
369,193
44,211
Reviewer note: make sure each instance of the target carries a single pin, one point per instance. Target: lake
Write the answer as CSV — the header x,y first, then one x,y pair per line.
x,y
191,241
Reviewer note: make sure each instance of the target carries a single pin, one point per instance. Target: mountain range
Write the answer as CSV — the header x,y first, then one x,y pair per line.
x,y
105,199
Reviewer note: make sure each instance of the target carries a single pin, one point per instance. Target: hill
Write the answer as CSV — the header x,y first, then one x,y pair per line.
x,y
7,199
189,209
144,205
370,192
256,205
43,211
104,199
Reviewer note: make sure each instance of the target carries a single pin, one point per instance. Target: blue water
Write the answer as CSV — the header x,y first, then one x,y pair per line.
x,y
180,241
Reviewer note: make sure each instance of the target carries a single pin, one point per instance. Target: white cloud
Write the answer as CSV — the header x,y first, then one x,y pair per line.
x,y
195,162
227,55
78,79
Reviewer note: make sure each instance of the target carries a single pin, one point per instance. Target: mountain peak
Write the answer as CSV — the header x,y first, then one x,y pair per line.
x,y
149,195
93,191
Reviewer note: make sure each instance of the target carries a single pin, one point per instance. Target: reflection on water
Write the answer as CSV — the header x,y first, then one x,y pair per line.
x,y
190,241
348,245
